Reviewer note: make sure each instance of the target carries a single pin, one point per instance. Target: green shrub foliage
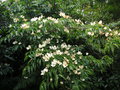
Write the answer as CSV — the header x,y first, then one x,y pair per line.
x,y
65,52
47,49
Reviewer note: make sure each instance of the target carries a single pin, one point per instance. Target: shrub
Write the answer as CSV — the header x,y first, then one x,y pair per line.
x,y
63,52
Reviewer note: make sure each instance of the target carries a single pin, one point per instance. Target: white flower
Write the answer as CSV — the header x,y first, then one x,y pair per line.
x,y
44,71
92,23
51,79
79,53
54,62
40,17
56,21
119,34
58,62
19,43
47,56
61,82
83,79
110,30
34,19
41,26
91,33
28,47
25,26
53,47
47,41
44,43
41,46
107,34
58,52
78,21
15,19
81,67
22,16
53,19
100,22
62,14
66,52
87,53
32,33
75,62
15,42
65,62
10,26
75,71
44,20
105,28
63,45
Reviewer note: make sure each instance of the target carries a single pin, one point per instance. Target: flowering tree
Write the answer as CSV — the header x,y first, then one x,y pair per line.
x,y
57,50
64,52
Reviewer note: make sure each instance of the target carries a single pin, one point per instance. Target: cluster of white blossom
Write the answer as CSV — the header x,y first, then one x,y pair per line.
x,y
64,45
44,71
64,61
55,62
44,43
25,26
47,56
36,18
16,42
53,19
91,33
53,47
92,23
15,19
63,15
28,47
77,70
100,23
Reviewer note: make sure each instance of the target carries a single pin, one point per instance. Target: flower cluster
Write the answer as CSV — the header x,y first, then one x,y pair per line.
x,y
36,18
53,19
44,71
63,15
66,53
25,26
44,43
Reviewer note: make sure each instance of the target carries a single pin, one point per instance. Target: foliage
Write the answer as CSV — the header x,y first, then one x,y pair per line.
x,y
46,49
